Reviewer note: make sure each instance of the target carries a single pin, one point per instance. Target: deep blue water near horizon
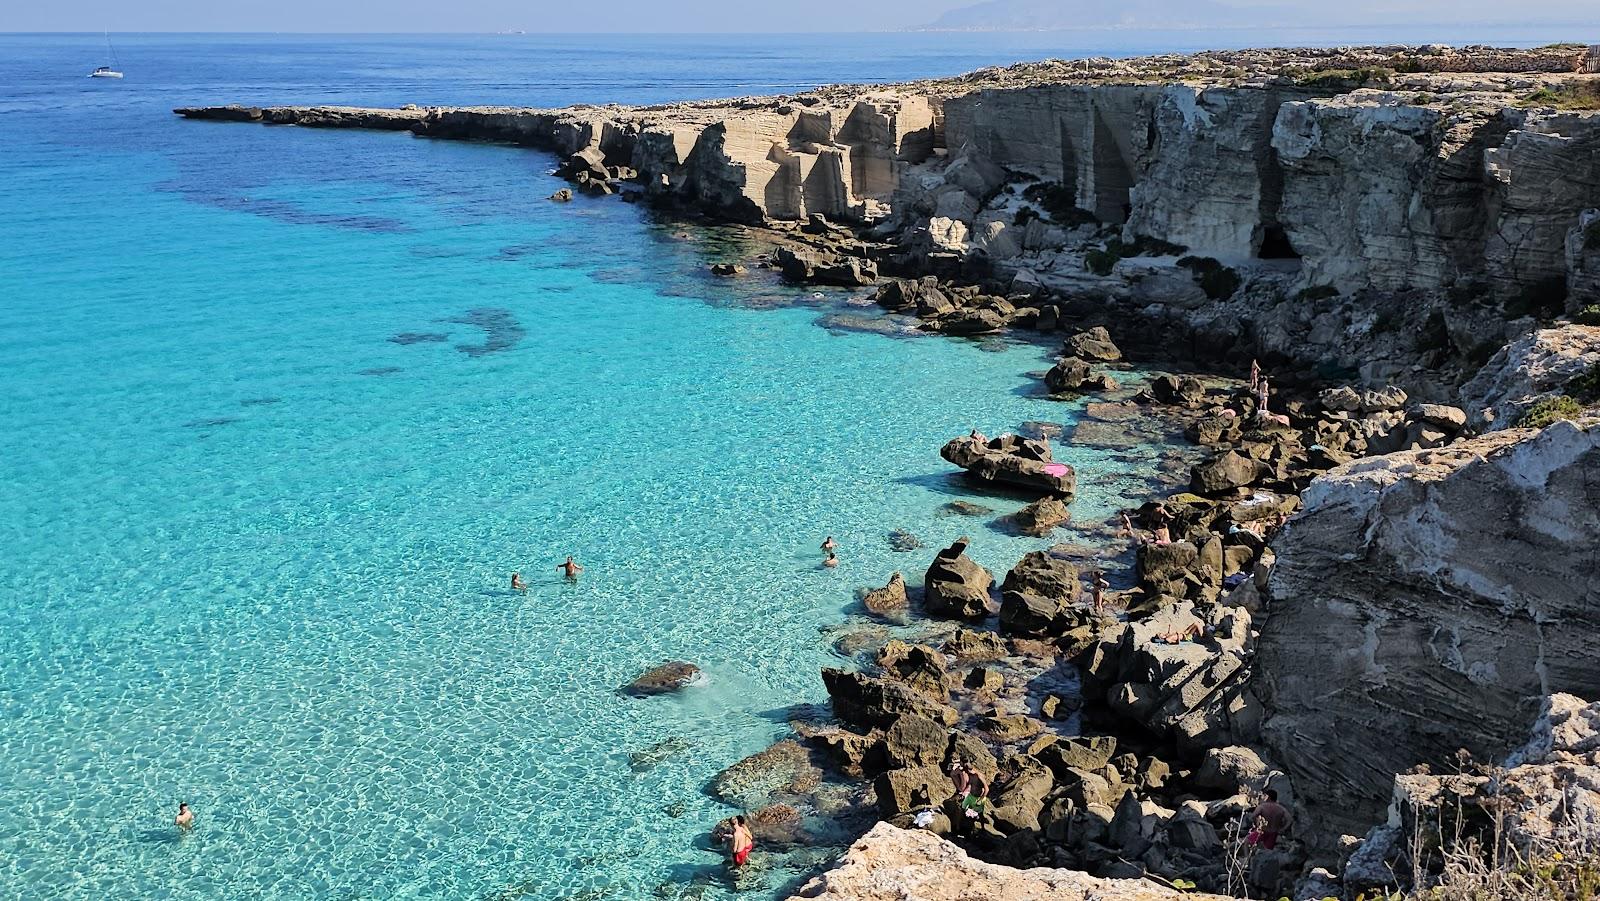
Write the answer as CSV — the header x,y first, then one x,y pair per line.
x,y
283,409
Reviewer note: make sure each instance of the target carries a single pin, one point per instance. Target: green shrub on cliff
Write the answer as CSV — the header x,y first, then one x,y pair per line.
x,y
1218,281
1571,95
1589,315
1586,387
1102,261
1549,410
1060,203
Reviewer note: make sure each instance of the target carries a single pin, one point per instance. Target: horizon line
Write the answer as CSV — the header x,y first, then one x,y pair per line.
x,y
1086,29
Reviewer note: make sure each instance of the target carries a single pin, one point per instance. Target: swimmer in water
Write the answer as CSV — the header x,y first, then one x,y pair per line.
x,y
517,584
185,817
832,561
570,569
829,544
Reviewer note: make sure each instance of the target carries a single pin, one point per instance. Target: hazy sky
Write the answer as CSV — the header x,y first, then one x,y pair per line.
x,y
664,15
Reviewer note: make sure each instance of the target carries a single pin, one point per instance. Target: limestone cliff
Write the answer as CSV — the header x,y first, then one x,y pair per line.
x,y
1420,602
893,864
1358,210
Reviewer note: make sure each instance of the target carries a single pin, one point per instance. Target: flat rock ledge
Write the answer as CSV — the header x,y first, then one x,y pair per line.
x,y
894,864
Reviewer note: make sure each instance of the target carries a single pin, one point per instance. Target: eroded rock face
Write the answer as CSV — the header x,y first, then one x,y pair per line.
x,y
1537,365
1419,600
893,864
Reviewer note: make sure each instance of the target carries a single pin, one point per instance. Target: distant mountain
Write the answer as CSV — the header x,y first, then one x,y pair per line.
x,y
1048,15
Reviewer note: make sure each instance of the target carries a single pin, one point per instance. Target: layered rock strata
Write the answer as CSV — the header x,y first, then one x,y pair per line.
x,y
1420,599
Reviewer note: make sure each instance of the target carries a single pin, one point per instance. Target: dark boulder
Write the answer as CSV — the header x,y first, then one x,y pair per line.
x,y
1026,613
1013,460
913,740
956,585
888,600
1186,391
1039,517
785,768
1094,345
863,700
917,665
1068,374
1226,472
981,321
1046,575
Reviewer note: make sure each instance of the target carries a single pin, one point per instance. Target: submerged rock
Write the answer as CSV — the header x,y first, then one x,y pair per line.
x,y
965,508
648,758
664,679
902,540
785,769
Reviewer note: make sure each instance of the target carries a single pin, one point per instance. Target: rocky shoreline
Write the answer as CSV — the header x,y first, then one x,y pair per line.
x,y
1370,572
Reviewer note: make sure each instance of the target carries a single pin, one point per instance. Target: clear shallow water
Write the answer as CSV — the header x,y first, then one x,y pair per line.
x,y
255,552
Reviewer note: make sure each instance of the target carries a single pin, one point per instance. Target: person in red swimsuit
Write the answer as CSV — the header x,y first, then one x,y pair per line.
x,y
740,842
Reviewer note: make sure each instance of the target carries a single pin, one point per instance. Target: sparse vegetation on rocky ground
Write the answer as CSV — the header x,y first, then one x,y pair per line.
x,y
1347,79
1549,410
1573,95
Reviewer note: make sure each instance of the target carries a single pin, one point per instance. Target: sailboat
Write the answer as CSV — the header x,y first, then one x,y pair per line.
x,y
111,70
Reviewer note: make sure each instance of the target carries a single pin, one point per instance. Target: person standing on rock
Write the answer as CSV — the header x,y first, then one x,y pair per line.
x,y
740,842
1263,392
1270,819
1098,588
570,569
1255,375
1160,521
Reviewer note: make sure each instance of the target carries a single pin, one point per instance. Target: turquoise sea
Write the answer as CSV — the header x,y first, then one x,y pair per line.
x,y
283,409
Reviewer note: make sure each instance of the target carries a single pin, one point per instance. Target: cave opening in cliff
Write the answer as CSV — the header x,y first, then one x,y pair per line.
x,y
1275,244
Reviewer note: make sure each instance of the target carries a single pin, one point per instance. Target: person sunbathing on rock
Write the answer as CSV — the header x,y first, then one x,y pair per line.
x,y
570,569
1192,631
